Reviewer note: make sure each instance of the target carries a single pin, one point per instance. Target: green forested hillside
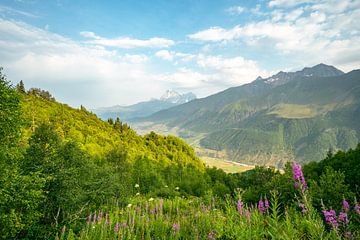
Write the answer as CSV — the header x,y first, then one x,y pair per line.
x,y
267,122
65,174
98,137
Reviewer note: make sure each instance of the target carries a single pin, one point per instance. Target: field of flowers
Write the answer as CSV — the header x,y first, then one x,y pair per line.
x,y
195,218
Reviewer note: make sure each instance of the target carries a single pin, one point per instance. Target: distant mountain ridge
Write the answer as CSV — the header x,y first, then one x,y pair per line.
x,y
169,99
320,70
288,116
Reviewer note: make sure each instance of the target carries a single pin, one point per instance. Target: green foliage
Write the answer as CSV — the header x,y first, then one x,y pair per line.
x,y
69,163
10,120
20,194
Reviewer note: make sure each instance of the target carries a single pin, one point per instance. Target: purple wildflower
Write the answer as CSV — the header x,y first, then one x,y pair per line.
x,y
176,227
266,204
248,215
94,218
298,176
89,219
345,206
147,206
152,211
100,216
330,218
261,206
303,208
116,228
343,218
106,219
63,229
240,207
357,208
124,225
211,235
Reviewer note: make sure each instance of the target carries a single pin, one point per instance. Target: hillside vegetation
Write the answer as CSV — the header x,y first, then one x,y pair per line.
x,y
270,121
65,174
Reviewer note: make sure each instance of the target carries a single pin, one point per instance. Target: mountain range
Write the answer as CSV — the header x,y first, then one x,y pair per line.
x,y
290,116
169,99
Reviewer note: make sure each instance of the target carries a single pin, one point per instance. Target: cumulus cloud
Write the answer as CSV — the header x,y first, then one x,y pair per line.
x,y
216,34
126,42
164,54
172,55
73,72
92,75
309,33
231,71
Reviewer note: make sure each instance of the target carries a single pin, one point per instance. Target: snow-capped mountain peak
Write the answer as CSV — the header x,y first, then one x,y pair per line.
x,y
175,97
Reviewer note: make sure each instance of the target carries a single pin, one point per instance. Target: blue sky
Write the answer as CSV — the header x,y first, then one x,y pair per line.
x,y
103,53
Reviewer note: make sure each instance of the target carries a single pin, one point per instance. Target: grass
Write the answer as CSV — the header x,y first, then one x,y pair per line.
x,y
194,218
227,166
294,111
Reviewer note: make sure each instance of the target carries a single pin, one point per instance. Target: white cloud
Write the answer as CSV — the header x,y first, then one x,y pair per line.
x,y
126,42
216,34
164,54
295,14
186,78
172,55
257,11
231,71
135,58
287,3
235,10
308,34
74,73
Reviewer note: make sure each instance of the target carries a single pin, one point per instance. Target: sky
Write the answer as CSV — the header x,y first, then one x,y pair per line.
x,y
106,53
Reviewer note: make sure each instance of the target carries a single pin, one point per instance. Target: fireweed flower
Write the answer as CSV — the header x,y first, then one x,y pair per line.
x,y
330,218
211,235
345,206
303,208
343,218
124,225
176,227
298,176
248,215
357,208
100,216
266,204
89,219
94,218
106,219
240,207
261,206
116,228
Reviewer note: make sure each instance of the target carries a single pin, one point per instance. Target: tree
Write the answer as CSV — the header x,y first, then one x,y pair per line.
x,y
20,194
10,121
20,87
